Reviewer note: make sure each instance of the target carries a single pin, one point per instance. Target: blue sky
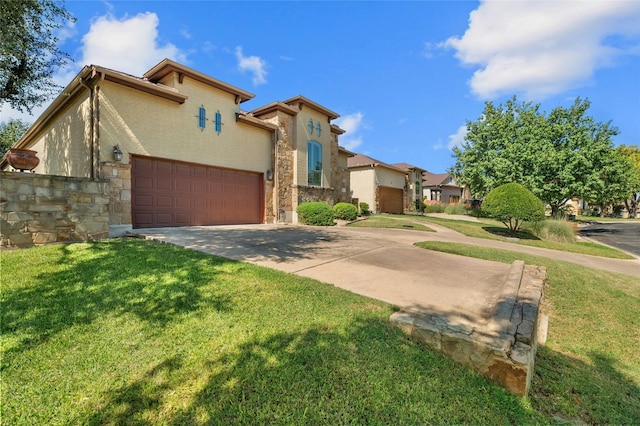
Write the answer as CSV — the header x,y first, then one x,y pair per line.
x,y
404,76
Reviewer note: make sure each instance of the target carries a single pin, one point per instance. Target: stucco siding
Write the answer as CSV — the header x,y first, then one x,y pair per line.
x,y
390,178
63,146
363,186
144,124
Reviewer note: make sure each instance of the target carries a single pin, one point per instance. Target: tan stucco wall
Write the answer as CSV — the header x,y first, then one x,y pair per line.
x,y
302,137
144,124
363,186
64,146
390,178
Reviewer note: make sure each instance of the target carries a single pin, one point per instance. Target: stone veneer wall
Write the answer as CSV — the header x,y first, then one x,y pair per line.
x,y
41,209
119,178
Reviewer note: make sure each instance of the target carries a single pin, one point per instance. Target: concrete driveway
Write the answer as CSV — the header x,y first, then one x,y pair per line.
x,y
379,263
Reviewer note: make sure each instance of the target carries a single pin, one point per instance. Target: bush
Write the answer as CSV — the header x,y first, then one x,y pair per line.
x,y
553,230
345,211
513,204
315,213
434,208
364,209
456,209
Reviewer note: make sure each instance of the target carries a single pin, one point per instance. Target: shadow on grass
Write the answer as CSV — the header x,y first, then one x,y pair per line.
x,y
569,390
504,232
370,374
156,284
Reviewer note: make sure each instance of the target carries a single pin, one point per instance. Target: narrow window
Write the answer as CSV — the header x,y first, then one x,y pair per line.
x,y
202,117
218,122
418,191
310,127
318,129
314,163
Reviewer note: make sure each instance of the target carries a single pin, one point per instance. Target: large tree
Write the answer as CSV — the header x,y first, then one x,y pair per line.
x,y
632,153
553,155
10,132
29,54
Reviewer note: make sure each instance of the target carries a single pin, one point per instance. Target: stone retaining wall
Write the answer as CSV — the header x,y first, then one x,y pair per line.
x,y
40,209
504,348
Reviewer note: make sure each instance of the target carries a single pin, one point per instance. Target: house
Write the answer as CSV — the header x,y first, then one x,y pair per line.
x,y
413,184
441,188
178,150
380,185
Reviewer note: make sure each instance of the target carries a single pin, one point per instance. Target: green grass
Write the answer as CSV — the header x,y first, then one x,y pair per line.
x,y
494,230
379,221
137,332
589,370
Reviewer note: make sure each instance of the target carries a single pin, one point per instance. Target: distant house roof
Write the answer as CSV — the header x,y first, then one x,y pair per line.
x,y
440,179
408,167
360,160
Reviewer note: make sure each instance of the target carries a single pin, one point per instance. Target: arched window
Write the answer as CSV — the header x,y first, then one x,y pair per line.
x,y
314,163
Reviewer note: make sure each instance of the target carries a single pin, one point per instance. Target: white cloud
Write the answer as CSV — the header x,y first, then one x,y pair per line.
x,y
543,48
456,139
254,64
129,44
351,124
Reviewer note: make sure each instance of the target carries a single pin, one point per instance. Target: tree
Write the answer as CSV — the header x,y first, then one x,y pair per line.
x,y
513,204
553,155
29,55
632,153
10,132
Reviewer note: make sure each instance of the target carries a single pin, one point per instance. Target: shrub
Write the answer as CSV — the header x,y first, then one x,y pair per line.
x,y
456,209
434,208
513,204
553,230
315,213
345,211
364,209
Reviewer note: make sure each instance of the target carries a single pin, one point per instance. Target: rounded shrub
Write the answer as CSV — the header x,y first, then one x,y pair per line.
x,y
513,204
364,209
315,213
345,211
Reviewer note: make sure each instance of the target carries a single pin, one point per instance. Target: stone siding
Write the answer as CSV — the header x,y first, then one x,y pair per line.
x,y
40,209
119,178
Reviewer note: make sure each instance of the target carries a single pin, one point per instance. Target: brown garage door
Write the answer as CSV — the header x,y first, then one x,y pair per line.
x,y
172,193
390,200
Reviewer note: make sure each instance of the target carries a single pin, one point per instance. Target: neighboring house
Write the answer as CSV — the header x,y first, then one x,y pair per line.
x,y
190,155
380,185
413,184
441,188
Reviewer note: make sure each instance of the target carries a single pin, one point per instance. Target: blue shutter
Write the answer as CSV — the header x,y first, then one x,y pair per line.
x,y
310,127
218,122
318,129
202,117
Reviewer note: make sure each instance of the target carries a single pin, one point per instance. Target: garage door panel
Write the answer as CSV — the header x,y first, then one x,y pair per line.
x,y
391,200
169,193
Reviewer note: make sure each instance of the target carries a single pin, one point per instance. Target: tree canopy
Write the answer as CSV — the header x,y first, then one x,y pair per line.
x,y
557,156
29,54
10,132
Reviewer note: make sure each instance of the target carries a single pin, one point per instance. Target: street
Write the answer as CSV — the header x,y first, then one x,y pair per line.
x,y
621,235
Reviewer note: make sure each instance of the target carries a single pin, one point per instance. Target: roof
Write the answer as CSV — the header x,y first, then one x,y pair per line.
x,y
432,179
301,102
408,167
360,160
167,66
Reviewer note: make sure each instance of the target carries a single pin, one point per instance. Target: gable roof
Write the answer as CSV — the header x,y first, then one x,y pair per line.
x,y
167,66
408,167
360,160
440,179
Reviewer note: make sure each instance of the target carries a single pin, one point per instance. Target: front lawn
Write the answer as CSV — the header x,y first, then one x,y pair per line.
x,y
494,230
137,332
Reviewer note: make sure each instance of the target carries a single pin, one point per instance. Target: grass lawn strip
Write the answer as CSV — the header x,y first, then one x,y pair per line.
x,y
486,229
589,370
137,332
